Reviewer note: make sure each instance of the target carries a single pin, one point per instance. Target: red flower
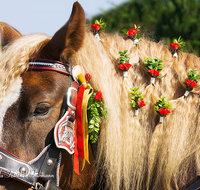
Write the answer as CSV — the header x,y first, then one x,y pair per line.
x,y
191,83
127,65
174,46
95,26
188,82
141,103
124,66
132,32
121,66
88,77
163,111
154,73
98,95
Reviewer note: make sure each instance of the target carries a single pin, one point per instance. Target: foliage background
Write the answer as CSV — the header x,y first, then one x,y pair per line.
x,y
161,20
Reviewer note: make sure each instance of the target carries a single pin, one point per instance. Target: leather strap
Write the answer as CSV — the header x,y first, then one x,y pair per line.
x,y
13,167
192,185
30,172
46,64
49,186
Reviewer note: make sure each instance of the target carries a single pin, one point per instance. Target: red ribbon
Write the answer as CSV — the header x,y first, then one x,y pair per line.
x,y
79,141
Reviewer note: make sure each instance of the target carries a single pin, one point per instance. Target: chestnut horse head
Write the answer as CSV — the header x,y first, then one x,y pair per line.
x,y
31,100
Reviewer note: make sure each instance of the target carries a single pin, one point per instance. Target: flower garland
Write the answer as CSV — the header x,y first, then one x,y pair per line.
x,y
191,82
95,111
153,66
99,25
124,64
177,45
132,33
162,108
137,100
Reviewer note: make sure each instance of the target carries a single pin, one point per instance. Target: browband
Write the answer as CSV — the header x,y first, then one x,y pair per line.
x,y
46,64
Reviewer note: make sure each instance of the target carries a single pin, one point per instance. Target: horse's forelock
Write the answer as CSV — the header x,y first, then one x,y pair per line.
x,y
14,61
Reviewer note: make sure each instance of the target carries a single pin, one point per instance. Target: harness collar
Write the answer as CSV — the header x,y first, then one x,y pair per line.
x,y
46,165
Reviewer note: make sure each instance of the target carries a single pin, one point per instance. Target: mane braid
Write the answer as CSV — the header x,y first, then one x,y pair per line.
x,y
138,152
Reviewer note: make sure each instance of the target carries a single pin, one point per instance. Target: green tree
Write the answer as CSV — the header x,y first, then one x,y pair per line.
x,y
159,19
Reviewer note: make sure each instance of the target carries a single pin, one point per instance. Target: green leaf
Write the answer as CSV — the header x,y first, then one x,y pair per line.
x,y
138,36
160,68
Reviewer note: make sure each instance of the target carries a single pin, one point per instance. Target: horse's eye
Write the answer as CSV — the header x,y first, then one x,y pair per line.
x,y
41,110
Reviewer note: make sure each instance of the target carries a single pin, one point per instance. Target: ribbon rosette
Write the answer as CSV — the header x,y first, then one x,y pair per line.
x,y
91,108
162,108
137,100
132,33
191,82
124,64
154,66
98,26
177,45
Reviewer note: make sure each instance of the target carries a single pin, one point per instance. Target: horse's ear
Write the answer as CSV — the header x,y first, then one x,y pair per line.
x,y
67,40
8,34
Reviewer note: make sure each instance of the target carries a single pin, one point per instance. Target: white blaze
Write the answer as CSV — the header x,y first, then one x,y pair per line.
x,y
12,97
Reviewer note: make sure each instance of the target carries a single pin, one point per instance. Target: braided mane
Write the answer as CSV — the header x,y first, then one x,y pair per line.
x,y
139,152
134,152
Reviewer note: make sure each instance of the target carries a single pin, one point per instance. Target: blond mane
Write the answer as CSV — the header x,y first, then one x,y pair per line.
x,y
139,152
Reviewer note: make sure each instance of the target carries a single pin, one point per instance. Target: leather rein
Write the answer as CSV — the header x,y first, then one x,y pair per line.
x,y
42,173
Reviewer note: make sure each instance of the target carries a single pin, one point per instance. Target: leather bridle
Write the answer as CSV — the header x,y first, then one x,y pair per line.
x,y
42,173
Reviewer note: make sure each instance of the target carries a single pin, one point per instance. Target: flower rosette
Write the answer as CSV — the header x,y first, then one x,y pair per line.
x,y
98,26
162,108
177,45
124,64
95,111
132,34
191,82
153,66
137,101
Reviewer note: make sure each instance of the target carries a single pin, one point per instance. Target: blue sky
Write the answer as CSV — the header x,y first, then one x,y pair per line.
x,y
47,16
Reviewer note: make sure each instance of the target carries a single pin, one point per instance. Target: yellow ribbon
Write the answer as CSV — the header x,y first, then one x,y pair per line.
x,y
86,96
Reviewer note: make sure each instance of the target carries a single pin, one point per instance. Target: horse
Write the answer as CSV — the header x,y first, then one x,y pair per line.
x,y
134,152
31,100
